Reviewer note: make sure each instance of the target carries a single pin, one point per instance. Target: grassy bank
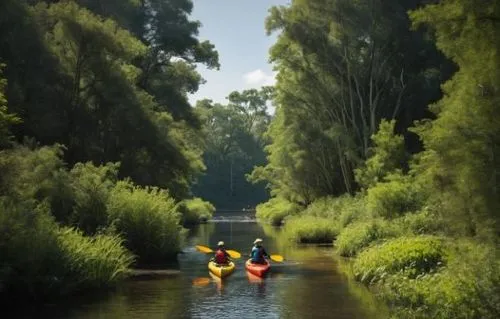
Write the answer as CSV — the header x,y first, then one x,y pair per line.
x,y
195,211
411,260
41,260
64,230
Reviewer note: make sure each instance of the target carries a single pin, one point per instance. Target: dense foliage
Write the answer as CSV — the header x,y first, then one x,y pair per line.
x,y
234,144
420,207
343,67
98,142
110,82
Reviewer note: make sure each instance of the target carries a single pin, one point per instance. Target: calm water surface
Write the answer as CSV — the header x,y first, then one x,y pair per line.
x,y
308,285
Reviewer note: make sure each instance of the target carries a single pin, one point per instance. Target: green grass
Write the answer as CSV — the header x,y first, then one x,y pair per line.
x,y
468,287
357,236
276,210
310,229
40,260
412,256
93,262
195,211
147,220
404,252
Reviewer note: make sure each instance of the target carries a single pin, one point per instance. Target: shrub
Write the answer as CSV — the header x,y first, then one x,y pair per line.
x,y
412,256
310,229
147,219
395,197
324,207
357,236
354,209
27,174
345,209
423,222
91,186
388,156
30,257
40,260
195,211
93,262
469,287
276,210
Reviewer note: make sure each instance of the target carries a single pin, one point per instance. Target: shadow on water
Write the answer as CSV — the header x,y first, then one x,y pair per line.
x,y
311,283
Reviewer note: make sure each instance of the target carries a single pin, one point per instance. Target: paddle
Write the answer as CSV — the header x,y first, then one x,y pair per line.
x,y
277,258
234,254
204,249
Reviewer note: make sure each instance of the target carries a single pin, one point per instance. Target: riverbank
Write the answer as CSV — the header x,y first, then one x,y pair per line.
x,y
412,262
64,231
290,290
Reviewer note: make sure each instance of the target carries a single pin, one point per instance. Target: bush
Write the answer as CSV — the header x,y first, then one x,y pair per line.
x,y
41,261
423,222
395,197
412,256
195,211
93,262
91,186
30,257
310,229
276,210
357,236
27,175
147,219
469,287
326,207
388,156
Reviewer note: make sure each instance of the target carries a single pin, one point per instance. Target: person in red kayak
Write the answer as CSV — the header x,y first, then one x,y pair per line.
x,y
258,252
221,256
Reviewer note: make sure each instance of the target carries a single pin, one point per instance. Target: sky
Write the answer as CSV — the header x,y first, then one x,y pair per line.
x,y
236,28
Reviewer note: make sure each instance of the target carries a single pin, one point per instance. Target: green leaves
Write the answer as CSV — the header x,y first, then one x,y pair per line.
x,y
344,66
233,143
6,119
107,86
388,156
461,157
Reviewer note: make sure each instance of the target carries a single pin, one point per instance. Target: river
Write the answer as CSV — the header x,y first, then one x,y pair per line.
x,y
309,284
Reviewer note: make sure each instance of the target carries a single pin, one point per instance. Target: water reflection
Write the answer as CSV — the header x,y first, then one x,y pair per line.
x,y
307,285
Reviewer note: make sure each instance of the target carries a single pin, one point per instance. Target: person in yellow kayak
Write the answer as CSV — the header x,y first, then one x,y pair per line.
x,y
221,256
258,252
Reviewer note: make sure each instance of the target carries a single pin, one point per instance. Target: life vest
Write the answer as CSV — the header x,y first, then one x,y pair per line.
x,y
220,257
257,255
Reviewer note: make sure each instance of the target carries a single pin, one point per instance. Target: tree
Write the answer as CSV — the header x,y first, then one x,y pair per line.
x,y
388,156
6,119
110,82
233,145
343,67
461,160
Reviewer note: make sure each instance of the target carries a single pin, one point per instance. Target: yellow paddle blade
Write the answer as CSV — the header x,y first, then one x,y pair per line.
x,y
277,258
234,254
201,281
204,249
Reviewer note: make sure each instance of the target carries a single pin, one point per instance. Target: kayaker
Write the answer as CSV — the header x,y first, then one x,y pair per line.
x,y
258,252
221,256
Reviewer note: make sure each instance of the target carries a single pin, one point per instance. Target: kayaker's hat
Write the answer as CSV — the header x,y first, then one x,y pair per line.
x,y
221,243
258,240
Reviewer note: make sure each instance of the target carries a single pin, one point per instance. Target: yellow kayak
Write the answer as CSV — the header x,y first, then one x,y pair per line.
x,y
221,271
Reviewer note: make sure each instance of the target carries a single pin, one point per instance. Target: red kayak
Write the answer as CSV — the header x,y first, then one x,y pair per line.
x,y
257,269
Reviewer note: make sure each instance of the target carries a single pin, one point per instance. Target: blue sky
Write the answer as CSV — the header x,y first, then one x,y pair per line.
x,y
236,28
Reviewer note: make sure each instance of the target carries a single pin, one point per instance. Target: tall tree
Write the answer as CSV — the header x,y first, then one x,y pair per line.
x,y
234,144
343,67
110,81
462,157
